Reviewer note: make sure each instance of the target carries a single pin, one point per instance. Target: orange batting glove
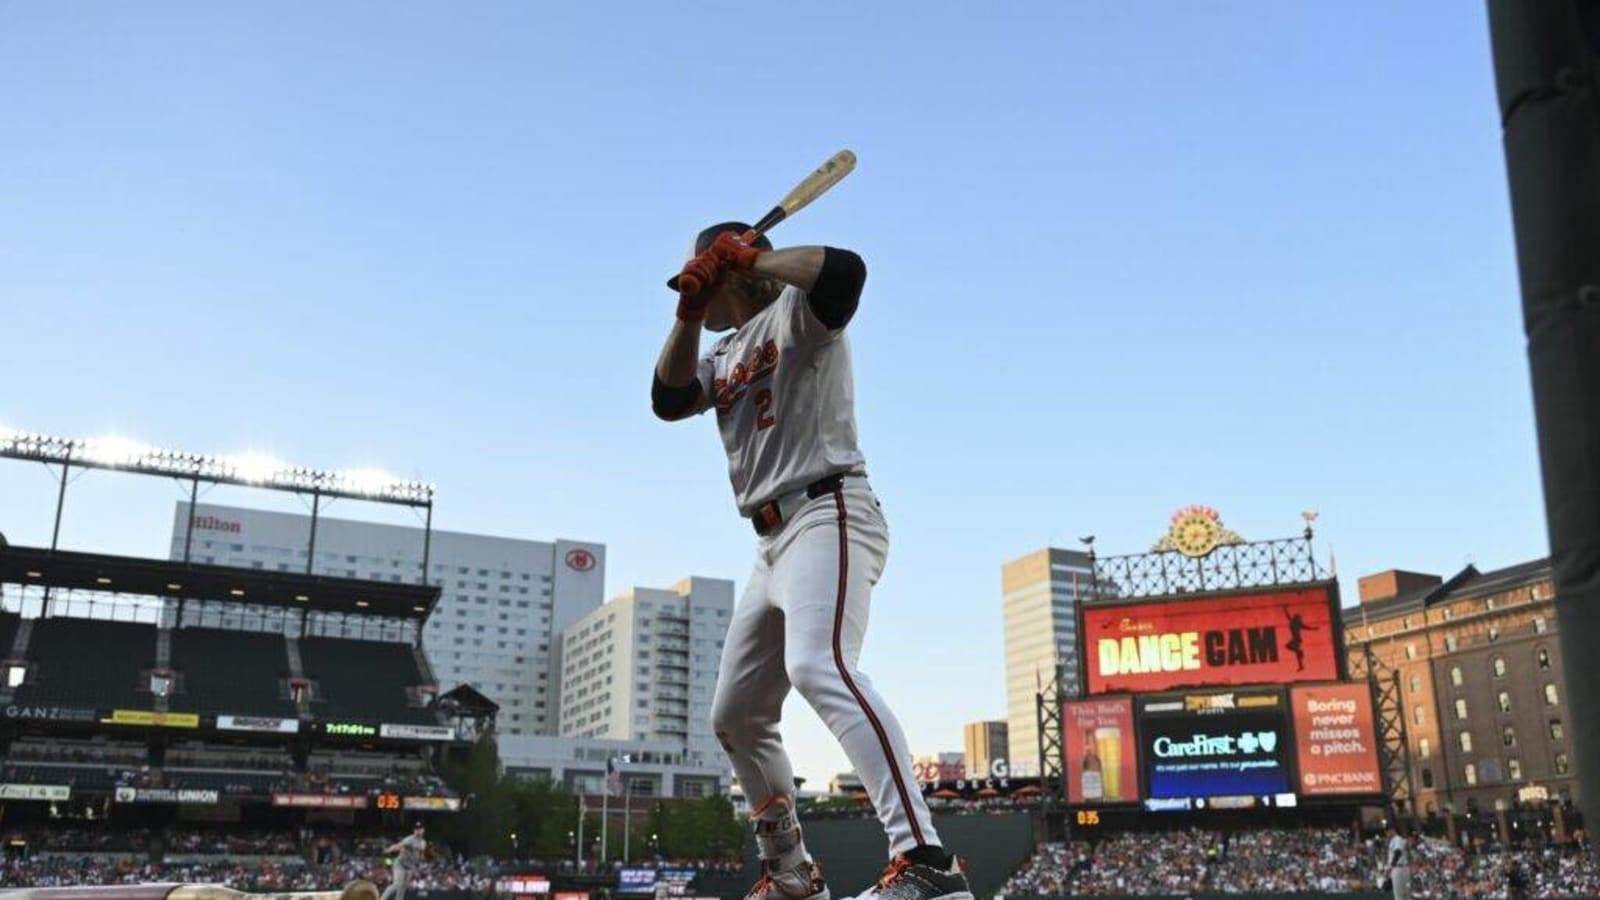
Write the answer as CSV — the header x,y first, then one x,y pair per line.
x,y
737,255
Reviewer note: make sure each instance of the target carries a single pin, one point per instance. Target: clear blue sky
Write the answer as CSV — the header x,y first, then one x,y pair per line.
x,y
1124,257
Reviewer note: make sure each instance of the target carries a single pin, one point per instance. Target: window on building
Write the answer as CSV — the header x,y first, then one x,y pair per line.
x,y
1466,741
1411,651
1514,768
1471,773
1551,695
1556,731
1494,633
1562,764
1450,642
1508,736
1540,626
1461,708
1499,667
1504,698
1427,778
1455,676
1424,748
1542,656
1416,683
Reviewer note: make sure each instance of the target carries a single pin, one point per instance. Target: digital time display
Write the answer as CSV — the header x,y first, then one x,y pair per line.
x,y
1088,817
388,801
351,729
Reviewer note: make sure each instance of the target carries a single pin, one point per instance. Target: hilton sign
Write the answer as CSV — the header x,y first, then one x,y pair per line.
x,y
212,523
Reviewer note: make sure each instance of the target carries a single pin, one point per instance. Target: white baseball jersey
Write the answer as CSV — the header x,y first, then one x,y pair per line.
x,y
411,849
1399,852
785,401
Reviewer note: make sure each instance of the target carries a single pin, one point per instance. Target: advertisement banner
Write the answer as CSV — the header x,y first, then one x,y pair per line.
x,y
165,795
151,718
1102,765
1336,744
522,884
432,804
320,801
48,713
1275,637
636,881
417,732
572,895
1216,744
51,792
258,723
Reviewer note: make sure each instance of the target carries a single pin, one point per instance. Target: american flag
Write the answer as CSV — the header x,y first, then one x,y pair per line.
x,y
613,778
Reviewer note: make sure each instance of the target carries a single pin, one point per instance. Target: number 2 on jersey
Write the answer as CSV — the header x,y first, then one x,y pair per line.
x,y
764,417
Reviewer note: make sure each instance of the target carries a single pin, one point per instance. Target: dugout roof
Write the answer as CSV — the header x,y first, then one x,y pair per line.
x,y
70,570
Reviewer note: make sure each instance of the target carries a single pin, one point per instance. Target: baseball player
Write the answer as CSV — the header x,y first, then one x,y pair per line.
x,y
782,389
407,854
1397,864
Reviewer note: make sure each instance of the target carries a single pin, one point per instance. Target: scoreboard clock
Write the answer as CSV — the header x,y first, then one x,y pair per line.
x,y
388,801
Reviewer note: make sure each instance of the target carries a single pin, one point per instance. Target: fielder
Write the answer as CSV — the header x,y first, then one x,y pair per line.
x,y
782,388
407,854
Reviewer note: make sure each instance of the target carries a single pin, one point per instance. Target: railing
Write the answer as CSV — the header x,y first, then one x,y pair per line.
x,y
1229,567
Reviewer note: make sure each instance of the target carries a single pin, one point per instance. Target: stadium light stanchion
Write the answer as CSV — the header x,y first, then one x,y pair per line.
x,y
1546,79
311,544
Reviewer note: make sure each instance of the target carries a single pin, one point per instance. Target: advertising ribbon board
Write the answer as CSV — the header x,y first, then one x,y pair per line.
x,y
153,719
51,792
266,724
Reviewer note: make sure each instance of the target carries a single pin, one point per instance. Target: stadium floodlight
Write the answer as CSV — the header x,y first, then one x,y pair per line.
x,y
113,451
254,468
251,469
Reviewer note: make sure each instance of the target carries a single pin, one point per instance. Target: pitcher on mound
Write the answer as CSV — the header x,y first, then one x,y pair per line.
x,y
782,389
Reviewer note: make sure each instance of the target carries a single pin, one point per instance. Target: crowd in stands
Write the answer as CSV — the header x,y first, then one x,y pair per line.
x,y
1311,860
79,752
61,871
232,841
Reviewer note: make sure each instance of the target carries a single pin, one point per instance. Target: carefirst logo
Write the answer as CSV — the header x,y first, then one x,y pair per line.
x,y
212,523
1218,745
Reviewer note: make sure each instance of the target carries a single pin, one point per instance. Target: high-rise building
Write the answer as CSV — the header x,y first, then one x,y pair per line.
x,y
643,666
503,605
1480,679
985,744
1040,596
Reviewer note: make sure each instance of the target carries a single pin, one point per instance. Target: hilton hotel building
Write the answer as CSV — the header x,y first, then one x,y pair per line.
x,y
501,614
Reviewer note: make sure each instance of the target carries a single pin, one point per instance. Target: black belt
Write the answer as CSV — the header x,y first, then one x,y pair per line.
x,y
768,517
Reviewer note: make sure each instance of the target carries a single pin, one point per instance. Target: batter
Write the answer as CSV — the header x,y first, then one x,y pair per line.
x,y
783,393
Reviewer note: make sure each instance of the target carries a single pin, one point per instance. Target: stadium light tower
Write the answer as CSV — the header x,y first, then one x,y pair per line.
x,y
258,470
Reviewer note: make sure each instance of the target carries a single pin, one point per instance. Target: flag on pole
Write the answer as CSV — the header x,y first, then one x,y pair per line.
x,y
613,778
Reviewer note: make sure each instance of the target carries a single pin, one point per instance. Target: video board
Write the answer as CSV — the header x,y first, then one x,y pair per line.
x,y
1215,749
1266,637
1101,750
1336,741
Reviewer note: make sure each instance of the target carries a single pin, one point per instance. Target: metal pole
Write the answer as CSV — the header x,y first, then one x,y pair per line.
x,y
61,499
581,811
1547,78
188,530
311,548
627,808
427,543
605,817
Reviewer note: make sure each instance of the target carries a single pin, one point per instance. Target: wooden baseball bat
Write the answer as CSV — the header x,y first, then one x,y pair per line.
x,y
810,188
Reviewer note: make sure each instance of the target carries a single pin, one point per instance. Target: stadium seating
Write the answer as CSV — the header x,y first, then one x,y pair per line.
x,y
88,663
231,672
81,777
363,680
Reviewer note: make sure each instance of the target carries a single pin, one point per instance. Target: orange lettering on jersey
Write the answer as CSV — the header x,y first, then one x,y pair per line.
x,y
760,362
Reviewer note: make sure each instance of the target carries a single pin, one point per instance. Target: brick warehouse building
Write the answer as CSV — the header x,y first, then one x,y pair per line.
x,y
1481,680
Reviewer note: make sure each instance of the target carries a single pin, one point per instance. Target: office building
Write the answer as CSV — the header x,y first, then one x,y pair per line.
x,y
1039,604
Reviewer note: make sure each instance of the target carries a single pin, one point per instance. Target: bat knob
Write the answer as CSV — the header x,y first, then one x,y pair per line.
x,y
688,284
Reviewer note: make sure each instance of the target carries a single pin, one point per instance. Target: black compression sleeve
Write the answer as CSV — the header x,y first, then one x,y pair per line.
x,y
837,293
670,402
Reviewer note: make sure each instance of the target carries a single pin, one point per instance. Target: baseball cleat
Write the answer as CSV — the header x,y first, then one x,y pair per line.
x,y
906,880
803,882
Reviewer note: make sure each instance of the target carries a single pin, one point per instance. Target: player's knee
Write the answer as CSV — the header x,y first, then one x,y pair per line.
x,y
813,677
729,717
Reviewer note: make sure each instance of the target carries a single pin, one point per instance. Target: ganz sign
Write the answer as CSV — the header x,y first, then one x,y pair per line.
x,y
49,713
1276,637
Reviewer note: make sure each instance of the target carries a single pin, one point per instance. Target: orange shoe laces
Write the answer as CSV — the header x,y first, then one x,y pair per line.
x,y
897,867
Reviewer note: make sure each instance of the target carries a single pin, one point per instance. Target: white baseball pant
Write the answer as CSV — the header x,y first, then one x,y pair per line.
x,y
397,887
800,624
